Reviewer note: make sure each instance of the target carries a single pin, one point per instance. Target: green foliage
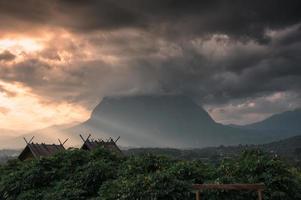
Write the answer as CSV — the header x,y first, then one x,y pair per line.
x,y
65,190
102,175
149,177
257,167
159,186
144,164
192,171
73,174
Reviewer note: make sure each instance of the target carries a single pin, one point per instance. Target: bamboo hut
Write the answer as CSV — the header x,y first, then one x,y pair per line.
x,y
110,144
36,150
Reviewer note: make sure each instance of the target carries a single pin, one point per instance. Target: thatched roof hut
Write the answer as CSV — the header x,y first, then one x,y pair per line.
x,y
35,150
110,144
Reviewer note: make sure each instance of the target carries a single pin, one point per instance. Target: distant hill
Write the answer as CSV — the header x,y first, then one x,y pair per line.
x,y
280,125
289,149
161,121
6,154
285,147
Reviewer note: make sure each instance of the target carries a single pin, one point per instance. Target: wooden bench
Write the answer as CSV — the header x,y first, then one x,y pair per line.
x,y
252,187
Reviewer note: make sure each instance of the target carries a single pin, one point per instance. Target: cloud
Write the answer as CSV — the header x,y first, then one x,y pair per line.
x,y
28,111
213,51
255,109
7,92
211,70
7,56
238,19
4,110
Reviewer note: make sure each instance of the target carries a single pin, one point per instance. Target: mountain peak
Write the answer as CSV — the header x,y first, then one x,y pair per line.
x,y
171,105
159,121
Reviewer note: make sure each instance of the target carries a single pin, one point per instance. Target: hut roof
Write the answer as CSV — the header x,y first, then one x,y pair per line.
x,y
92,144
40,150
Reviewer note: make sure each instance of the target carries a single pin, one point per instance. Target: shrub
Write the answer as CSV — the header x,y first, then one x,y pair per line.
x,y
258,167
157,186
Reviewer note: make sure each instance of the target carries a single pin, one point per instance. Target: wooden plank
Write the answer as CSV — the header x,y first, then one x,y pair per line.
x,y
259,192
229,186
197,195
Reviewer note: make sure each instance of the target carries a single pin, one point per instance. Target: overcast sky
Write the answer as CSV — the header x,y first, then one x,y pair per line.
x,y
59,58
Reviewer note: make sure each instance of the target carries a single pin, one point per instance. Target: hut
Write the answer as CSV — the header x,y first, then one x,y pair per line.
x,y
109,144
35,150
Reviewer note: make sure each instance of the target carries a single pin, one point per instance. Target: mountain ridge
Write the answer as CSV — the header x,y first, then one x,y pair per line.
x,y
160,120
285,124
155,121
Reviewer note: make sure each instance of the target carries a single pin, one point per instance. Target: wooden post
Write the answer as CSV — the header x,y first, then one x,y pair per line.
x,y
197,195
259,192
31,139
117,139
82,138
255,187
65,141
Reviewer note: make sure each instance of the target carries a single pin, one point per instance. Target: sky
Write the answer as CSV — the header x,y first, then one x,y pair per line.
x,y
240,60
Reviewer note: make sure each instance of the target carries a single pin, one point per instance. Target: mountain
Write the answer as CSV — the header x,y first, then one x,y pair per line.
x,y
280,125
160,121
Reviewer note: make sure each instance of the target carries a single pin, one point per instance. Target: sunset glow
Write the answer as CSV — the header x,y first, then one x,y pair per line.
x,y
20,107
20,45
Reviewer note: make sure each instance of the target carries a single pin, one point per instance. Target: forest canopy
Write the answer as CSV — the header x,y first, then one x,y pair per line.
x,y
76,175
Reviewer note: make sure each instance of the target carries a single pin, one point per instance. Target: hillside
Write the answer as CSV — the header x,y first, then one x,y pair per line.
x,y
288,149
6,154
282,125
160,121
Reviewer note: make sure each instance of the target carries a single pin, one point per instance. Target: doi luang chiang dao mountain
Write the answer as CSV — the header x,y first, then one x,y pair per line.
x,y
152,100
176,121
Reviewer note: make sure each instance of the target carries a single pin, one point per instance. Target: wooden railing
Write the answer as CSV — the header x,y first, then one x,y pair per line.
x,y
252,187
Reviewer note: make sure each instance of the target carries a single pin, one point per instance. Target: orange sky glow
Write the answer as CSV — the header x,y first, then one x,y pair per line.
x,y
19,105
19,108
59,50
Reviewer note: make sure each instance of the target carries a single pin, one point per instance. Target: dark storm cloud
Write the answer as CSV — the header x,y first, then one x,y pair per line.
x,y
29,71
171,18
148,65
245,71
216,51
7,56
